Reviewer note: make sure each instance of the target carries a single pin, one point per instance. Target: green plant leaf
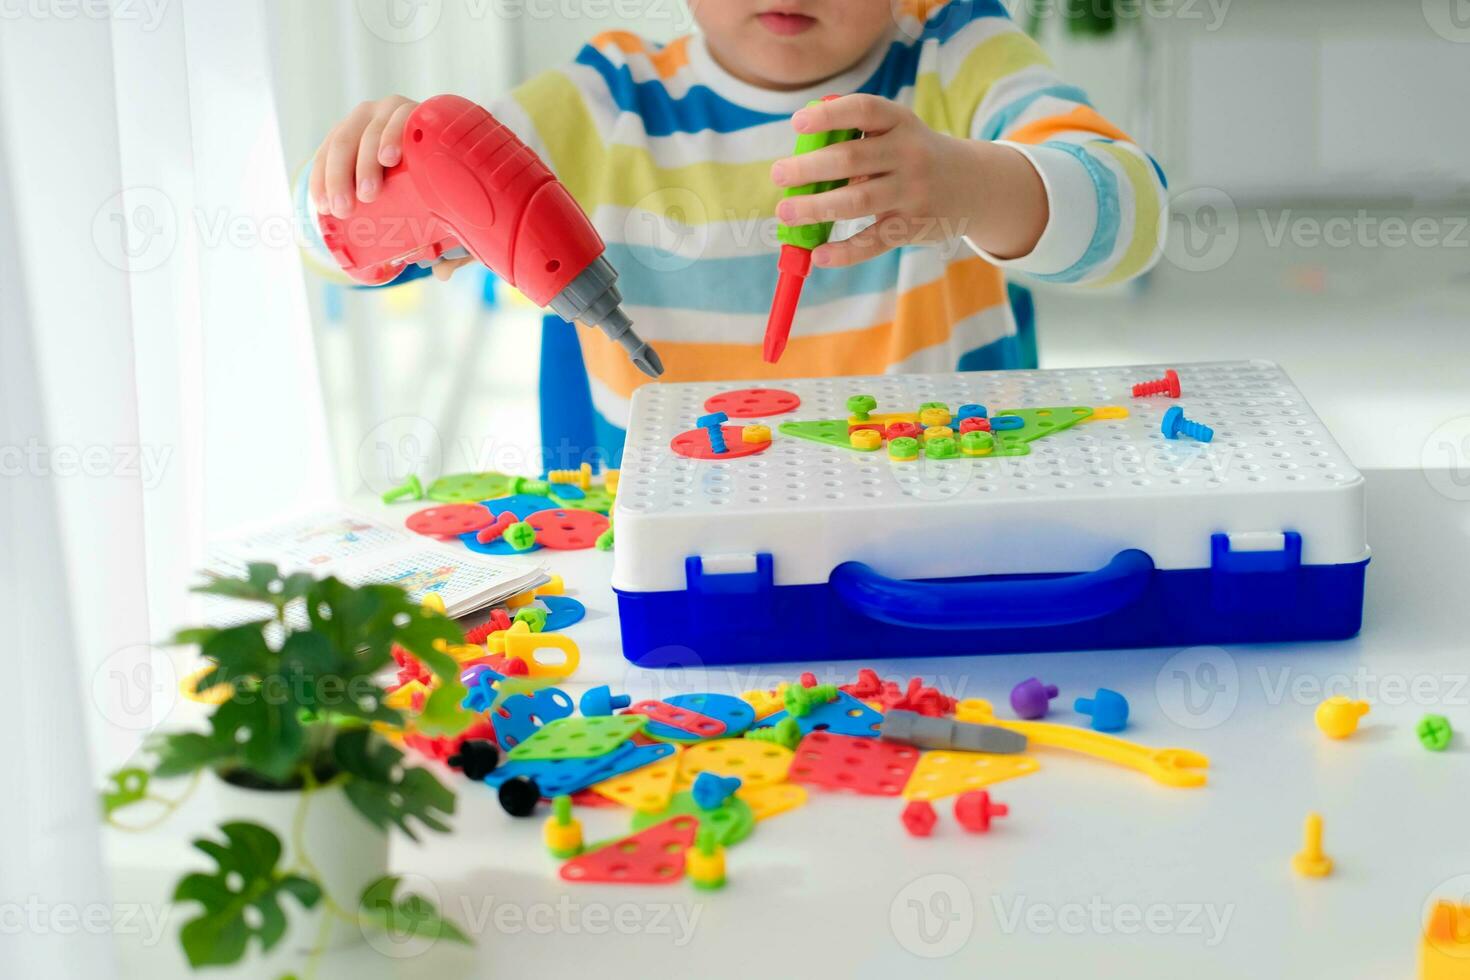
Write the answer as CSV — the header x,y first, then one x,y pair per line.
x,y
129,786
409,917
264,729
182,753
241,899
444,713
386,793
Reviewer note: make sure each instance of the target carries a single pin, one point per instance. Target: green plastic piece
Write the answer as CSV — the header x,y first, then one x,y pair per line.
x,y
577,737
829,432
858,406
1434,732
469,488
905,447
520,536
800,699
412,488
704,841
810,236
605,540
561,809
977,441
596,499
533,616
942,448
534,487
730,822
1037,424
784,732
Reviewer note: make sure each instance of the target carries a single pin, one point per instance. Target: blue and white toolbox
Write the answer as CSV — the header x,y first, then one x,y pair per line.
x,y
1105,534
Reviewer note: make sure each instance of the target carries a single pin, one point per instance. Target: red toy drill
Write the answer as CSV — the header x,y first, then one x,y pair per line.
x,y
466,181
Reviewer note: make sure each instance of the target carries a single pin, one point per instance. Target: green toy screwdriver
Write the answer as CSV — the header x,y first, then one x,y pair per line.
x,y
797,244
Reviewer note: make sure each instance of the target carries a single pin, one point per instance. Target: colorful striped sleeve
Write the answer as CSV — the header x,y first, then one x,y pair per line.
x,y
1107,197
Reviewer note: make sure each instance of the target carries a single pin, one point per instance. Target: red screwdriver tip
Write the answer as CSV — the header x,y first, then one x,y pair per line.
x,y
794,265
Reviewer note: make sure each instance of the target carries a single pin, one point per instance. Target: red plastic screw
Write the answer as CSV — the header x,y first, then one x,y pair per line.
x,y
973,424
919,818
1167,385
973,810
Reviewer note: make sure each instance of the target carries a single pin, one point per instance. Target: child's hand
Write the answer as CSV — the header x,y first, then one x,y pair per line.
x,y
924,187
348,166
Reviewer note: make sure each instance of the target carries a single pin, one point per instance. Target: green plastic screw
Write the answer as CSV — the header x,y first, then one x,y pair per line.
x,y
534,487
800,699
941,448
1434,732
904,447
928,405
977,442
561,809
520,536
533,616
704,840
412,488
858,406
784,732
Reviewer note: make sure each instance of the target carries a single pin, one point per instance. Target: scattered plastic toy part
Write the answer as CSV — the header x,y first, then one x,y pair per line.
x,y
533,617
581,477
468,488
943,773
786,733
772,799
736,714
448,520
1108,710
577,738
1032,699
527,648
648,789
924,732
1168,386
652,856
974,811
519,795
695,444
710,790
562,831
1434,732
919,818
476,758
1107,413
800,699
1006,423
765,703
520,716
689,722
755,433
1311,861
605,540
1175,425
706,861
971,411
756,763
557,776
561,612
1444,949
845,715
859,406
1171,767
503,520
732,821
1338,716
600,700
903,448
411,488
753,403
859,765
567,530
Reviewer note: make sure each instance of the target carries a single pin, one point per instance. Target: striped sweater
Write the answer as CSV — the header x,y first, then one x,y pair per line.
x,y
670,156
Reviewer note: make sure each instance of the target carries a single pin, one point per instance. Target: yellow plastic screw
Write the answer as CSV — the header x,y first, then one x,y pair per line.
x,y
1337,717
865,439
1310,861
755,433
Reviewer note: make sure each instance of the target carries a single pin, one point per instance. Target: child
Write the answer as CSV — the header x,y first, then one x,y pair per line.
x,y
976,158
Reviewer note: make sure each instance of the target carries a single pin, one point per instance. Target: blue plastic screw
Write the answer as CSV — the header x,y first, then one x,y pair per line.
x,y
600,700
711,424
1175,425
1109,710
970,412
1003,422
712,790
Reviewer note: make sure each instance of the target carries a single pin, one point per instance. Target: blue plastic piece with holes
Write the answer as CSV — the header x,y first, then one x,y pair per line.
x,y
523,505
711,790
1108,710
521,714
1002,423
845,715
1254,596
557,777
970,412
561,611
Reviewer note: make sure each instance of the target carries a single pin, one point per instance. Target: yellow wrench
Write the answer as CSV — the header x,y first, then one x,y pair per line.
x,y
1172,767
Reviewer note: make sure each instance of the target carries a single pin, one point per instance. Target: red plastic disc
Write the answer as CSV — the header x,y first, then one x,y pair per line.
x,y
695,444
449,520
752,403
567,530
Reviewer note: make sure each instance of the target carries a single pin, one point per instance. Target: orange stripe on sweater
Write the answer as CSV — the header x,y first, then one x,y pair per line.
x,y
925,316
1081,118
666,60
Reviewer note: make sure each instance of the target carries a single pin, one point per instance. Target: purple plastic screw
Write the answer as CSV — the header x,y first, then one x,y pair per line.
x,y
1029,699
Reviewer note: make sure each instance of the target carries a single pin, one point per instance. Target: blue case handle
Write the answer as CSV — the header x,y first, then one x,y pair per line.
x,y
1003,603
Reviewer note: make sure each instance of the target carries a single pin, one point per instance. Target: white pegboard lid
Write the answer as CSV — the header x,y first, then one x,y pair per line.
x,y
1081,495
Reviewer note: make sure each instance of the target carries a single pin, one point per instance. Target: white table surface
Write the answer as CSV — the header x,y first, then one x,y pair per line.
x,y
1097,872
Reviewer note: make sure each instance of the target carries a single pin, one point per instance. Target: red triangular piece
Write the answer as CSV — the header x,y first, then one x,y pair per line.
x,y
869,766
646,858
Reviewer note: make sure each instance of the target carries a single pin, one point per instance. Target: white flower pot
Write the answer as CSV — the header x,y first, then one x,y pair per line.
x,y
347,851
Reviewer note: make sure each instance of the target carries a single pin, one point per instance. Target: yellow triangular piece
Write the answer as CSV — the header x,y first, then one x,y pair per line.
x,y
772,799
756,763
947,773
766,703
648,789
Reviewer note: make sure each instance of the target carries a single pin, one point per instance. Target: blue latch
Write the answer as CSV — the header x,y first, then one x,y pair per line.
x,y
1255,570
